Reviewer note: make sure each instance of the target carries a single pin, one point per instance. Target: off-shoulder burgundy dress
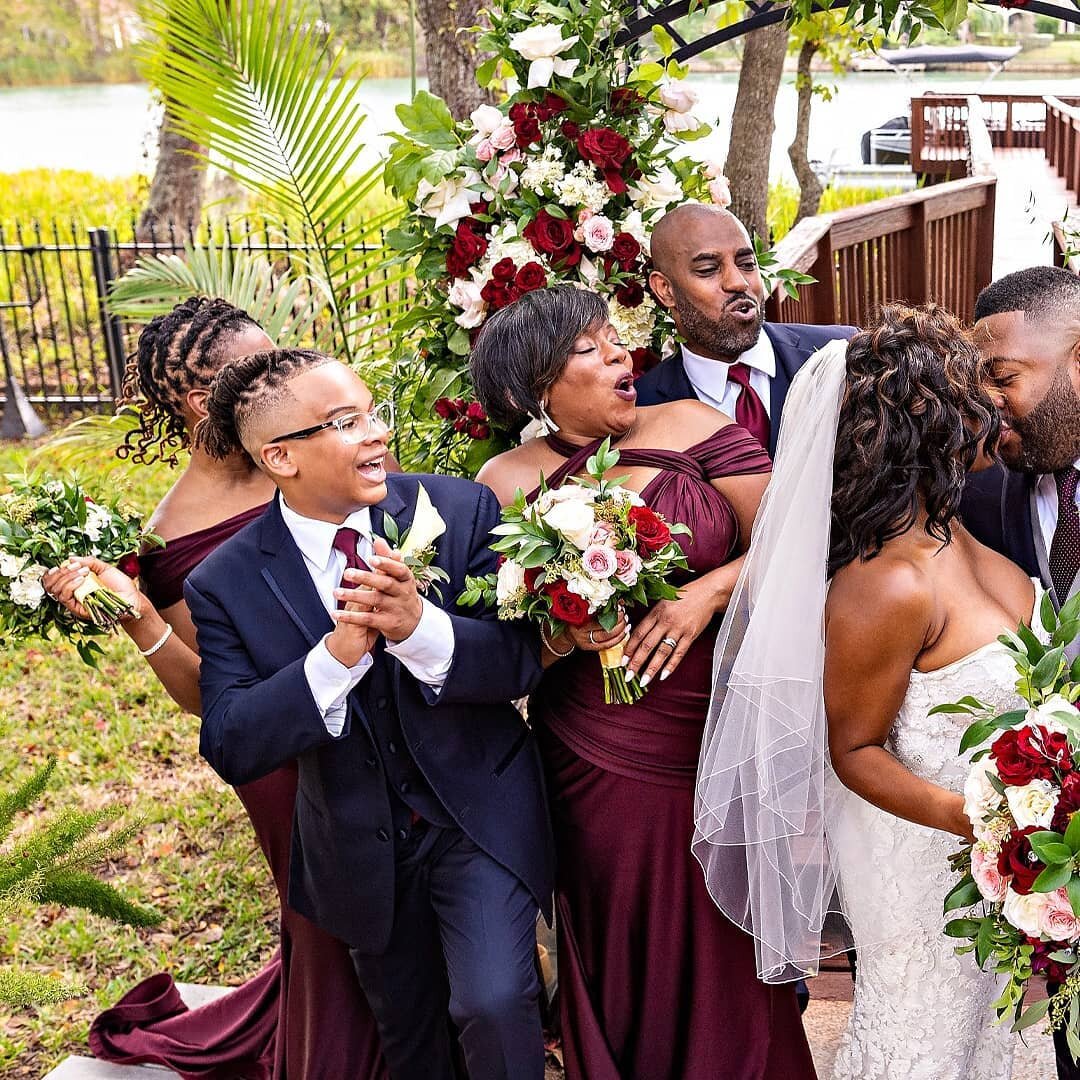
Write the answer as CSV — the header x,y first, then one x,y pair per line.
x,y
303,1017
656,984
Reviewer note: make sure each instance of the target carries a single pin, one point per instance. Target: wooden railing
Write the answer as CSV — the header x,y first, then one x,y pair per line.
x,y
1063,138
935,244
950,136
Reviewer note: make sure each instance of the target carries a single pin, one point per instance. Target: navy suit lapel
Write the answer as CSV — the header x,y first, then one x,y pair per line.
x,y
789,357
393,506
1017,524
673,384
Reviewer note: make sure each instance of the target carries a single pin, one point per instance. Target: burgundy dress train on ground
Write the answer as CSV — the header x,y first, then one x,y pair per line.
x,y
655,983
303,1017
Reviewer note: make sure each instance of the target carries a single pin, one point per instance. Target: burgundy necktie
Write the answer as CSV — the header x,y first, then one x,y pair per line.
x,y
749,411
345,541
1065,547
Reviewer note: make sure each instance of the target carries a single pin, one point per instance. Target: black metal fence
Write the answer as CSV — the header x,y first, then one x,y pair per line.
x,y
62,353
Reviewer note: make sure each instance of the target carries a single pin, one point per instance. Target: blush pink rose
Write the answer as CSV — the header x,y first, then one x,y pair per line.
x,y
627,566
599,561
1058,921
485,150
503,137
601,534
989,880
598,233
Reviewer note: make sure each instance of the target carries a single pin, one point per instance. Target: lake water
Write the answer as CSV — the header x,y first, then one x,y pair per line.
x,y
111,130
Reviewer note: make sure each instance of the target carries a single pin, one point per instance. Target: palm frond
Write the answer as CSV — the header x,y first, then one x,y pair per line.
x,y
257,82
89,444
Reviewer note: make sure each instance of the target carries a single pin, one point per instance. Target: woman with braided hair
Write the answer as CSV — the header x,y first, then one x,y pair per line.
x,y
302,1016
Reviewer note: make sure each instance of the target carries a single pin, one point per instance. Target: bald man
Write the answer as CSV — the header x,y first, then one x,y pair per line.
x,y
706,275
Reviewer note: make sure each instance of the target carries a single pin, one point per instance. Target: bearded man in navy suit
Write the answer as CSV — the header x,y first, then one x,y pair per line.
x,y
706,274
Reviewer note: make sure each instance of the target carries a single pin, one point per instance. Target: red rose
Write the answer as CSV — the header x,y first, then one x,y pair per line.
x,y
644,360
478,431
630,294
504,270
626,249
531,276
467,250
605,148
615,181
1041,964
526,120
1068,802
651,531
570,129
530,578
129,565
480,207
565,605
624,101
475,411
551,105
460,424
445,408
498,294
1016,763
1018,860
554,237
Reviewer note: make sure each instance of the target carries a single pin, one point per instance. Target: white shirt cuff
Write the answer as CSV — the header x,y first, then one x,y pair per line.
x,y
331,682
428,651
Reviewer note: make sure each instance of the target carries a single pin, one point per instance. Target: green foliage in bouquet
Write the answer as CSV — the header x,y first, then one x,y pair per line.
x,y
43,522
50,865
1023,798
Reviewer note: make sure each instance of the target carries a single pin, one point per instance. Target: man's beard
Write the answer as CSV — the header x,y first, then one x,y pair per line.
x,y
723,337
1048,438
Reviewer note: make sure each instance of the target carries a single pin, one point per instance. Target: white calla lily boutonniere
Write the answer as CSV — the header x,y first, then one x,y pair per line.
x,y
417,544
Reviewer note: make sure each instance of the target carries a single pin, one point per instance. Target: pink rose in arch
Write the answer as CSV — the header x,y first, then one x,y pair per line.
x,y
599,561
988,878
627,566
485,150
1058,921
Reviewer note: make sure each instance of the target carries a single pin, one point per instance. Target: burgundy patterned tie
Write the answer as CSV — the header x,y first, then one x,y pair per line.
x,y
749,411
345,541
1065,548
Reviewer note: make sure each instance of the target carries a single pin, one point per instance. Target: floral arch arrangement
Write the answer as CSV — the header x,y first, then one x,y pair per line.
x,y
561,183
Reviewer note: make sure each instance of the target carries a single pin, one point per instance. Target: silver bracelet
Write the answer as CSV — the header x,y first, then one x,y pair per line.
x,y
159,643
551,648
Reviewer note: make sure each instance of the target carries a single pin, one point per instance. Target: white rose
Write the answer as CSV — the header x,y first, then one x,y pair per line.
x,y
1025,912
598,233
542,45
573,519
678,98
658,193
510,580
486,119
625,495
466,295
1045,714
450,200
596,591
720,191
1033,804
11,565
674,122
981,798
27,592
589,271
34,572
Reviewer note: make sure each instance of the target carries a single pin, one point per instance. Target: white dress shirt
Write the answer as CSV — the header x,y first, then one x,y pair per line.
x,y
427,652
710,381
1046,502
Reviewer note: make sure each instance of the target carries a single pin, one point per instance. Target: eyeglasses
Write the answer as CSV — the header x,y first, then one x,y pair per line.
x,y
354,427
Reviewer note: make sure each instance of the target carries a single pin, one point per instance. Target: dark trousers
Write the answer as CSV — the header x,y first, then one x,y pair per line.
x,y
1067,1069
463,941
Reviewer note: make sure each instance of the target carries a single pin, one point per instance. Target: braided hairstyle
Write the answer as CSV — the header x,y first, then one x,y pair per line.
x,y
176,352
243,389
915,413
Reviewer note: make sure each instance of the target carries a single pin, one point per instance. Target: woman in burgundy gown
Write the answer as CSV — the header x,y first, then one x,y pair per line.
x,y
655,983
303,1017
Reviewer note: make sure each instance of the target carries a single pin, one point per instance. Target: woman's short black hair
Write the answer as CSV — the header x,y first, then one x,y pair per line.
x,y
915,413
523,349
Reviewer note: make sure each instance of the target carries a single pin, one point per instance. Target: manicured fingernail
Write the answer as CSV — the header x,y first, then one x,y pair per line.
x,y
664,674
626,662
631,674
645,680
374,561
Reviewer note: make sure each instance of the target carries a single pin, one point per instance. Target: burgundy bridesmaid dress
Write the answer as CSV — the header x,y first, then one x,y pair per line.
x,y
655,983
303,1017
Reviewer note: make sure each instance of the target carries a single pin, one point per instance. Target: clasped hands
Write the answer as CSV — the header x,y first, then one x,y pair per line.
x,y
383,600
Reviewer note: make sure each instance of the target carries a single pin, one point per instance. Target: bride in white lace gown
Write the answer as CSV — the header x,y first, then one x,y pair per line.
x,y
821,773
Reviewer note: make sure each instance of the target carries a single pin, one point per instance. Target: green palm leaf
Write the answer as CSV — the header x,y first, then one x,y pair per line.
x,y
257,82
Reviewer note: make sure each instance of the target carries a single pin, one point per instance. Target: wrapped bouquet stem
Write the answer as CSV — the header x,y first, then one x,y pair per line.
x,y
579,552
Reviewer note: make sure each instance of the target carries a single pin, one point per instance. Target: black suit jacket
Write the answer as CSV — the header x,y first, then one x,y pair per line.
x,y
257,614
996,508
793,344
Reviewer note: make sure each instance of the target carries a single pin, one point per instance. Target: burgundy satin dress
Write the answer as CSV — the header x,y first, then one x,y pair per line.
x,y
655,983
303,1017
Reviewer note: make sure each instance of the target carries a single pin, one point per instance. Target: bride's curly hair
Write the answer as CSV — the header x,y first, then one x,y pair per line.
x,y
916,412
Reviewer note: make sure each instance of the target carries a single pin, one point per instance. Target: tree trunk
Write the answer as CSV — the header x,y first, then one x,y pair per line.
x,y
176,192
747,165
452,58
798,152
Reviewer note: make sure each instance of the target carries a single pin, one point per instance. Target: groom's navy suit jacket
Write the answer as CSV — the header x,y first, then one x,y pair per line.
x,y
793,344
257,614
996,508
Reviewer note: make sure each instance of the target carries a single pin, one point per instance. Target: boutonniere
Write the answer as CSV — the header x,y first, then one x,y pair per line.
x,y
417,545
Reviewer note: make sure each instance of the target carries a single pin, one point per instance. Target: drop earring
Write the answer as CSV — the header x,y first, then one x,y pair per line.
x,y
549,425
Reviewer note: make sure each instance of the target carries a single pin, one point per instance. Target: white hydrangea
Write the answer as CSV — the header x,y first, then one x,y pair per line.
x,y
633,325
506,243
27,592
582,187
543,171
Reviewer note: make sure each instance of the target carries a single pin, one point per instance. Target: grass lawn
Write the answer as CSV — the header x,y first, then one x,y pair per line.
x,y
120,740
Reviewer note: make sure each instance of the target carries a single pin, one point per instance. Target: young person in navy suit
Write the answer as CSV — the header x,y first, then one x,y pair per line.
x,y
707,276
421,836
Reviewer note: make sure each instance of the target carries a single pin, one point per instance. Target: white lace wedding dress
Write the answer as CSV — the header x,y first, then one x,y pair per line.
x,y
921,1012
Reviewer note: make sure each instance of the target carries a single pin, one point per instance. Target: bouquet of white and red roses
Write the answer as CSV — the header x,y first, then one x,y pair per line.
x,y
1023,799
580,551
42,524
